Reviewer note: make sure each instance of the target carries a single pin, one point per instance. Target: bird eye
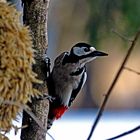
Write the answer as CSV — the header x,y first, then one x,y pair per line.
x,y
86,49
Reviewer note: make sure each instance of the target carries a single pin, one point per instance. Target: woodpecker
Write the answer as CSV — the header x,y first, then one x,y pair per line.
x,y
68,77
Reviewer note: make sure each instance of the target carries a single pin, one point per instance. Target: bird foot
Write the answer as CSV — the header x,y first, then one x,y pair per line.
x,y
48,97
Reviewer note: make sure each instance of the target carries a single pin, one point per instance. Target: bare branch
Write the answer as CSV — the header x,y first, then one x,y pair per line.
x,y
121,36
125,133
101,109
131,70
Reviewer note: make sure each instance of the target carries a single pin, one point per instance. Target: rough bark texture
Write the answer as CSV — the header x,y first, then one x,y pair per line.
x,y
35,15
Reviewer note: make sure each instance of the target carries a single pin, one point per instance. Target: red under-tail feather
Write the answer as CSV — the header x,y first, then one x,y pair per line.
x,y
59,111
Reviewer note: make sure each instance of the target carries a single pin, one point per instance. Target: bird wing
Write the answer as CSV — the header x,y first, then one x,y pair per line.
x,y
77,90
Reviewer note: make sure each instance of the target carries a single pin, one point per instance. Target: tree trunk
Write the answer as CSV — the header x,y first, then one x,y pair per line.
x,y
35,15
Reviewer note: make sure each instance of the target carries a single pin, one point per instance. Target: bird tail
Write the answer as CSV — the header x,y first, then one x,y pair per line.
x,y
55,113
50,123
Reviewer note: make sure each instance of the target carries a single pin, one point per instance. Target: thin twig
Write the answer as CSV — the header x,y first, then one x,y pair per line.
x,y
121,36
3,136
125,133
16,128
134,71
101,109
50,136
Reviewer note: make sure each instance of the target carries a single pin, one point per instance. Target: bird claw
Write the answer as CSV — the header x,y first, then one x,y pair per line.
x,y
48,64
47,60
50,98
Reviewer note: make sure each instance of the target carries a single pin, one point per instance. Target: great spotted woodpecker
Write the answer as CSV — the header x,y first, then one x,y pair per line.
x,y
68,77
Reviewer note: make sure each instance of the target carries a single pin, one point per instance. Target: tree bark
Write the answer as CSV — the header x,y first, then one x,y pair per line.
x,y
35,13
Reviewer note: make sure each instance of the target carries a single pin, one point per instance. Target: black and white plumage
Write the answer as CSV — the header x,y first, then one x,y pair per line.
x,y
68,77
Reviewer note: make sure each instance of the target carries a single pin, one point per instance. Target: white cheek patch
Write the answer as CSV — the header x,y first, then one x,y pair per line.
x,y
78,51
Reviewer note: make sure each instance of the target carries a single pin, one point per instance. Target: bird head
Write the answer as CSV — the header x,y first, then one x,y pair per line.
x,y
84,53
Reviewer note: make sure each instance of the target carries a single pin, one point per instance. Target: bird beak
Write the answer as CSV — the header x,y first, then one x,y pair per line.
x,y
98,53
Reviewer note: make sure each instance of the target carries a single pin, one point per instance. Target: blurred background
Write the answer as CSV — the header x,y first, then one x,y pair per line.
x,y
92,21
